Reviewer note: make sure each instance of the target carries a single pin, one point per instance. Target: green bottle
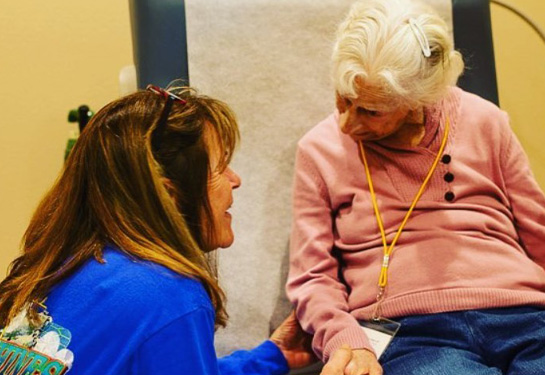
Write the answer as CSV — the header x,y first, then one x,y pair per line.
x,y
81,115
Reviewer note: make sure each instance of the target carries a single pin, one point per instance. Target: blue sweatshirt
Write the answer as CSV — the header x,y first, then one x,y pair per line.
x,y
134,317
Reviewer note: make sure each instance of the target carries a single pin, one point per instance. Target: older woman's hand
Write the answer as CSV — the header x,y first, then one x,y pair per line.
x,y
346,361
294,343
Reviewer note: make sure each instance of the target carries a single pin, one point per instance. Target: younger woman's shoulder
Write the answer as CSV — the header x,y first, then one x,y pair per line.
x,y
151,281
124,280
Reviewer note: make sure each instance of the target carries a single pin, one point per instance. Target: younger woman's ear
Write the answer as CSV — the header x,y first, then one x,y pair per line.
x,y
169,185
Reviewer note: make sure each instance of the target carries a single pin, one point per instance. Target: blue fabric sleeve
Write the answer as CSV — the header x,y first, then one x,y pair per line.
x,y
186,346
264,359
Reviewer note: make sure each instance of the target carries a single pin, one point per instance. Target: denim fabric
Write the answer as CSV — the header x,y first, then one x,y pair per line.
x,y
507,341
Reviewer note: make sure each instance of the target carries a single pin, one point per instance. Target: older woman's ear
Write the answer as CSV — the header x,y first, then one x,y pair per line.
x,y
341,103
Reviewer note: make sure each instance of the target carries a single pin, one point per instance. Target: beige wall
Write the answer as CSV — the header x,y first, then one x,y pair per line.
x,y
54,56
520,63
58,54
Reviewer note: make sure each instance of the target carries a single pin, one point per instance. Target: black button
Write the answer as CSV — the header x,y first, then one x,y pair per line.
x,y
449,177
449,196
446,159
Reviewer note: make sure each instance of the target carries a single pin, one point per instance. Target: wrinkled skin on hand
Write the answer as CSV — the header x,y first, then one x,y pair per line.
x,y
345,361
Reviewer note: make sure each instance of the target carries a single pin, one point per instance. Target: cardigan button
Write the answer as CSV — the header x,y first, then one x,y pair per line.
x,y
449,196
446,159
449,177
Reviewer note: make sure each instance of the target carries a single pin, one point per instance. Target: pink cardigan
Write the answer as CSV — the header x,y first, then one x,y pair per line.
x,y
475,240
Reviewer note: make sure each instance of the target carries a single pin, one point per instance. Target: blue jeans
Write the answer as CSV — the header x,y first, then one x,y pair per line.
x,y
507,341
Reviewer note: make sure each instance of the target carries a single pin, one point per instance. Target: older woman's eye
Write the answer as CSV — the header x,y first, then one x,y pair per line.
x,y
369,112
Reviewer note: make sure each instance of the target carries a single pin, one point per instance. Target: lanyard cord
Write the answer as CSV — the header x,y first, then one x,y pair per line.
x,y
387,250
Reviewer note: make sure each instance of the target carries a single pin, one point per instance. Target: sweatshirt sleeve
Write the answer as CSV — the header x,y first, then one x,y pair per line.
x,y
186,346
264,359
313,285
525,196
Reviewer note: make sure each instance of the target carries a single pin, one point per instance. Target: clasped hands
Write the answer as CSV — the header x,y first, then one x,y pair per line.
x,y
347,361
295,344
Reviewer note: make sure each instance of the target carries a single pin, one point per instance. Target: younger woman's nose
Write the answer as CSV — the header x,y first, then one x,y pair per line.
x,y
233,177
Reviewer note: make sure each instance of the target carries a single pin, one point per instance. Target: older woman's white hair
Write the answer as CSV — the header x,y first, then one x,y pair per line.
x,y
382,50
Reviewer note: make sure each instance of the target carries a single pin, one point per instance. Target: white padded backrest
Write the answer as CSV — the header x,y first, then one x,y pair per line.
x,y
270,61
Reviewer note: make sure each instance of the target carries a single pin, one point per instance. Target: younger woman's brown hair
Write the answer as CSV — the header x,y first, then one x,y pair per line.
x,y
116,189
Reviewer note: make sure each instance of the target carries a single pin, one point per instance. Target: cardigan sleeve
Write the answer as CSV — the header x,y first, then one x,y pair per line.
x,y
313,285
186,346
526,198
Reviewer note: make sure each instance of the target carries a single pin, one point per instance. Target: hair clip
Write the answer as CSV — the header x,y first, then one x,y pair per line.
x,y
420,37
162,122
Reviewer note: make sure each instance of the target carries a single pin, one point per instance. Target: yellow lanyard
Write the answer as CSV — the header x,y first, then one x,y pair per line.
x,y
383,279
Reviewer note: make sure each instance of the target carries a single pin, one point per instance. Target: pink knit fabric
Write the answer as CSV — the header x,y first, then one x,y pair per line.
x,y
484,248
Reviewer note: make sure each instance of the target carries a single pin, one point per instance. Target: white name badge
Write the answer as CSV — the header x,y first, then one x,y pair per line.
x,y
380,332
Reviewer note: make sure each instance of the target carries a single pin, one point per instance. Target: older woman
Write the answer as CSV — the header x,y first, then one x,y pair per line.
x,y
113,278
414,202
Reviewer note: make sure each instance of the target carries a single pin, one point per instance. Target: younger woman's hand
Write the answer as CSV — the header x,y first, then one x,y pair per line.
x,y
294,343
